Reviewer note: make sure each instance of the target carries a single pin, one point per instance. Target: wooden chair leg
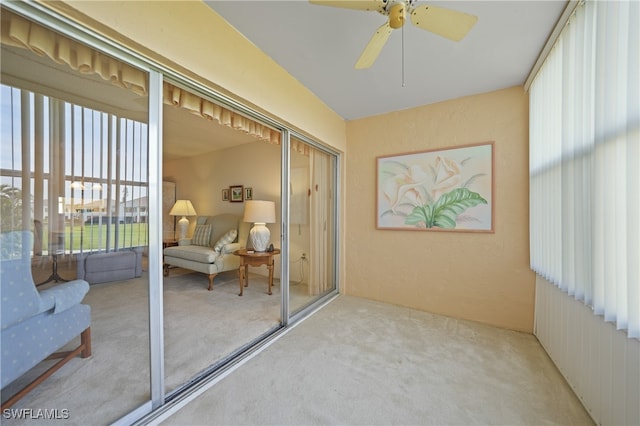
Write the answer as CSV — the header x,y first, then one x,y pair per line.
x,y
85,343
211,276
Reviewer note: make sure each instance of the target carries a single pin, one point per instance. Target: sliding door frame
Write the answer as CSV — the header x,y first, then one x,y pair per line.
x,y
41,15
335,209
285,165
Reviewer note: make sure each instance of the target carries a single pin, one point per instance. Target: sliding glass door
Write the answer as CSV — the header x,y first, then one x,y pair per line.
x,y
89,133
74,172
209,148
312,224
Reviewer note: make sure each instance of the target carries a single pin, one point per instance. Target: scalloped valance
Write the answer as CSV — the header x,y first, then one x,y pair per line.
x,y
204,108
19,32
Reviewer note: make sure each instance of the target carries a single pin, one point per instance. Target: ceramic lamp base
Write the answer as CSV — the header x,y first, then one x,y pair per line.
x,y
183,226
260,236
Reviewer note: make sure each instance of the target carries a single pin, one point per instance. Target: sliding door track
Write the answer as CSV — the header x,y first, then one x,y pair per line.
x,y
218,371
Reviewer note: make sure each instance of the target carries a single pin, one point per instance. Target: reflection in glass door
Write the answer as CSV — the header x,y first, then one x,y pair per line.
x,y
80,151
312,227
229,163
75,153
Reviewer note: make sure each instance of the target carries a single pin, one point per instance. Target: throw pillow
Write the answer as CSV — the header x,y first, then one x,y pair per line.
x,y
201,235
227,238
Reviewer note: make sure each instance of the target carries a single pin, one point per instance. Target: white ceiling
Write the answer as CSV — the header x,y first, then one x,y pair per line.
x,y
319,46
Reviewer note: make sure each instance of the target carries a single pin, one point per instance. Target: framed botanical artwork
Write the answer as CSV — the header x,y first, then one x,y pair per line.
x,y
225,194
448,189
236,194
248,193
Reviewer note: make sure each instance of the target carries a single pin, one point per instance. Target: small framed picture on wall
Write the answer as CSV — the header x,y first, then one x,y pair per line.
x,y
236,193
248,193
225,194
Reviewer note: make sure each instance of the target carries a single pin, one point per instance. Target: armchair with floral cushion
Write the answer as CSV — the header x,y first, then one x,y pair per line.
x,y
210,249
36,324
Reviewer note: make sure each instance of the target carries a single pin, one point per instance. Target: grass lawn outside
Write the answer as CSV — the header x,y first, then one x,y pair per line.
x,y
93,237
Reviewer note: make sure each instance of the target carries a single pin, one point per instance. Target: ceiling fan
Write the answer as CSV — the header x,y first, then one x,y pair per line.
x,y
447,23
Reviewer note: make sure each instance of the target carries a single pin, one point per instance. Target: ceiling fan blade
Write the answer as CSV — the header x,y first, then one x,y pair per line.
x,y
374,47
377,5
447,23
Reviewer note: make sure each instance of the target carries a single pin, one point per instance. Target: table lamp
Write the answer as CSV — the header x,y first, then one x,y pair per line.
x,y
260,213
183,208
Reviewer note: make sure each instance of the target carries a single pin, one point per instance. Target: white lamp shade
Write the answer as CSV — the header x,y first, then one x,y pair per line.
x,y
260,212
183,208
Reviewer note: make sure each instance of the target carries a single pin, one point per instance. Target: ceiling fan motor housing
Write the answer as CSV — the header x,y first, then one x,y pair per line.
x,y
396,10
396,16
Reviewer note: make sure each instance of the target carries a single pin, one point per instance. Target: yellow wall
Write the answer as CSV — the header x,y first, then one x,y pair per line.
x,y
202,178
476,276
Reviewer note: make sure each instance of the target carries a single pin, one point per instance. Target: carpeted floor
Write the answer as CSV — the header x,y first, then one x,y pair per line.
x,y
353,362
200,328
359,362
224,320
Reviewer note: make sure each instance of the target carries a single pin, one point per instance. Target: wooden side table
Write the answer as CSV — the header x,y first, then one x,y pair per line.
x,y
256,258
54,269
169,243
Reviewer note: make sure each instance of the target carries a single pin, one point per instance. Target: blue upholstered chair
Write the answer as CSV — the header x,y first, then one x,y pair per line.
x,y
35,324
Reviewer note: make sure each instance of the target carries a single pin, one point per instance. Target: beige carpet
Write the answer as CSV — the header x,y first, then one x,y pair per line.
x,y
201,327
353,362
358,362
224,320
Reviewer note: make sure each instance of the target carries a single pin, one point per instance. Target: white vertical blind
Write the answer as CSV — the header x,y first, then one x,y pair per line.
x,y
585,162
75,184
